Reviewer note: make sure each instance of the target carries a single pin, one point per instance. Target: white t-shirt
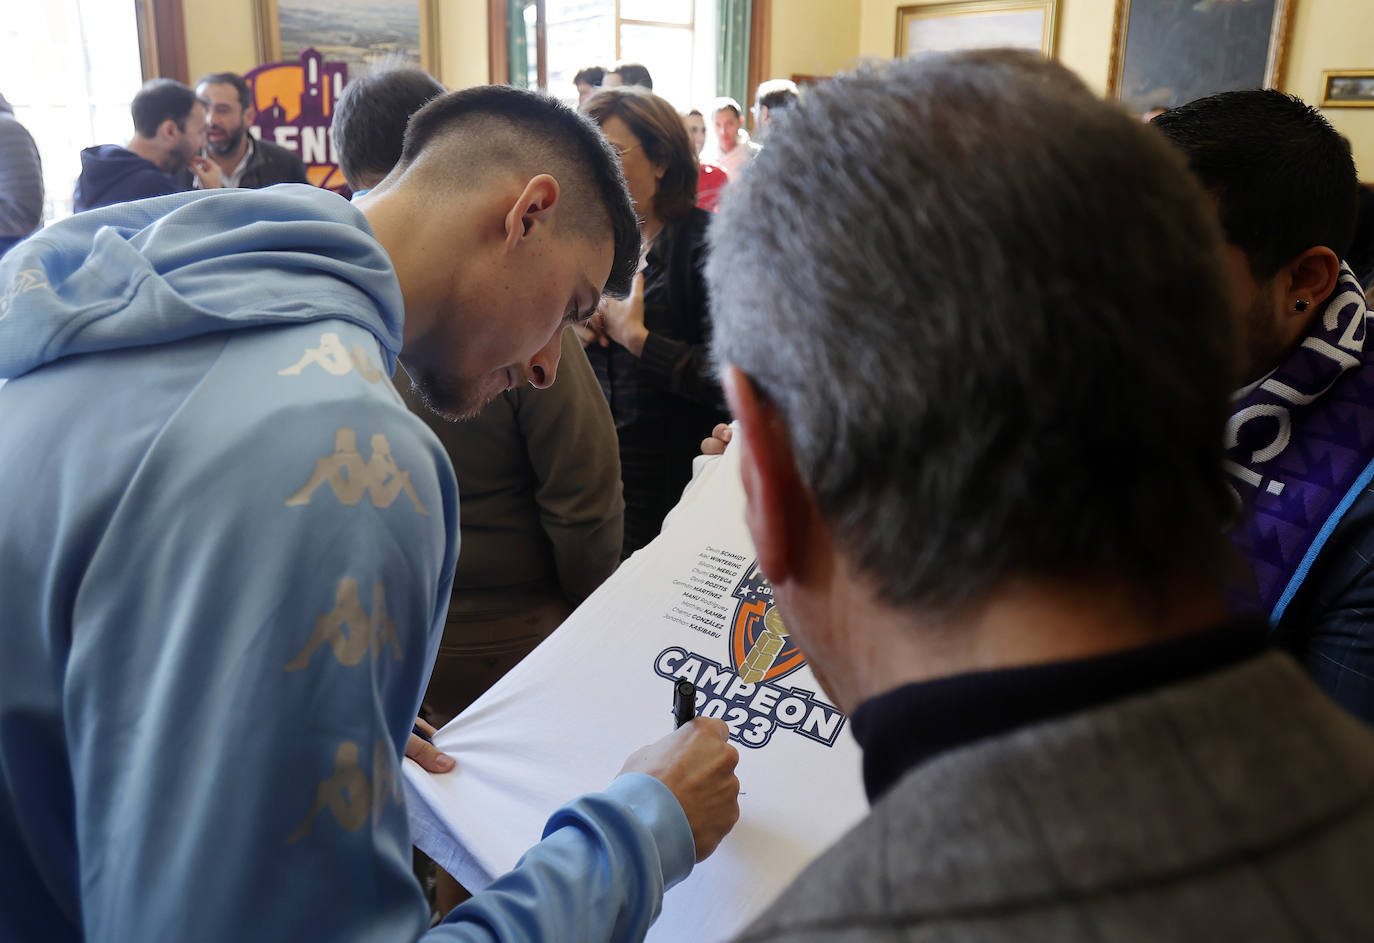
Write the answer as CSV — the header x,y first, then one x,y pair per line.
x,y
690,604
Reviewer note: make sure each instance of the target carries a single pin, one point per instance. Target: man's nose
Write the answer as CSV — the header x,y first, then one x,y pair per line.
x,y
544,364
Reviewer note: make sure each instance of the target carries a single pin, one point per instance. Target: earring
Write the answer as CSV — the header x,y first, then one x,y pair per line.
x,y
1301,306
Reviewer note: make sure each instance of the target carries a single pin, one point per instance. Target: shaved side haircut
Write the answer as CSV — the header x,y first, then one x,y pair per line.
x,y
462,139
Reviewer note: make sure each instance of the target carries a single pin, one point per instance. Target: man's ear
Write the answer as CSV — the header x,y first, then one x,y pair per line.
x,y
250,115
780,510
1312,276
534,207
168,129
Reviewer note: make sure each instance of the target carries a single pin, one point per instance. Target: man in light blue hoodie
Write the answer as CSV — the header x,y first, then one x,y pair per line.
x,y
226,546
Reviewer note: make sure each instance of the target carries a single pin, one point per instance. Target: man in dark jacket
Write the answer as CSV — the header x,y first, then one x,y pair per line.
x,y
244,160
21,180
1299,454
981,381
169,134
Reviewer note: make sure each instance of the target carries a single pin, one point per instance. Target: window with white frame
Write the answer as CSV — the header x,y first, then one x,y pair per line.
x,y
70,68
674,39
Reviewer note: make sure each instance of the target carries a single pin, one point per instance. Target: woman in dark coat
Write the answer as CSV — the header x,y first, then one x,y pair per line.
x,y
650,351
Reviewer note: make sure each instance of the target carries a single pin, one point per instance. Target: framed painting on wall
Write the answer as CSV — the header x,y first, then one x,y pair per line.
x,y
1167,52
355,32
976,24
1348,88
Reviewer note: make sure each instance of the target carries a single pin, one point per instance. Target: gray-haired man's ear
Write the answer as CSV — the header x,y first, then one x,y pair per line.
x,y
780,509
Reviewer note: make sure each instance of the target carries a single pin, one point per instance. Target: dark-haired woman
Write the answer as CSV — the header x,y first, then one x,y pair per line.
x,y
650,351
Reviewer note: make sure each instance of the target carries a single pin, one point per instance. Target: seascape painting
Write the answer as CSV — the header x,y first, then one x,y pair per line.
x,y
356,32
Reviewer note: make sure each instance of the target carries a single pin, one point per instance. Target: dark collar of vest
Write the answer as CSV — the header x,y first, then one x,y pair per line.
x,y
904,727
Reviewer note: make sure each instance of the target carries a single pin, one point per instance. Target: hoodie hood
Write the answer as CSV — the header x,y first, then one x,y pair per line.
x,y
107,168
174,267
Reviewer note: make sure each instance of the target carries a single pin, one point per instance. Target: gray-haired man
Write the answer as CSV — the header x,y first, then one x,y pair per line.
x,y
981,442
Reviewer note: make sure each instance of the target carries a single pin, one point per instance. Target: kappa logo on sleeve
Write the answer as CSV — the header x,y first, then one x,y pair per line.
x,y
746,693
335,359
349,630
350,477
348,795
27,280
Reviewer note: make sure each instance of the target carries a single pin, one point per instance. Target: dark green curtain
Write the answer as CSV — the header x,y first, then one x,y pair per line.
x,y
516,44
732,49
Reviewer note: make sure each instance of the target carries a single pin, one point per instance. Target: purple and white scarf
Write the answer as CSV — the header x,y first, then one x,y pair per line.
x,y
1300,448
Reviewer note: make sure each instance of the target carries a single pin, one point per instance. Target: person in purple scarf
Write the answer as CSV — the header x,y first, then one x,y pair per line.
x,y
1300,440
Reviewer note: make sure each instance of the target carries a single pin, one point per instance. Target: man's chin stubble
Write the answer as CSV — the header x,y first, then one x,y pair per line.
x,y
448,403
230,145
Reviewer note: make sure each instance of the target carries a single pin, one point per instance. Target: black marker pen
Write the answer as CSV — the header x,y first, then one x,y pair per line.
x,y
684,702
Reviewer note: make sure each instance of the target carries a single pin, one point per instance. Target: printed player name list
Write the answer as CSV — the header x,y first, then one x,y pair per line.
x,y
704,603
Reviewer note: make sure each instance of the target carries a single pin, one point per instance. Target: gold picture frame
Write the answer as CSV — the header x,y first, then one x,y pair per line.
x,y
977,24
1348,88
1193,38
425,38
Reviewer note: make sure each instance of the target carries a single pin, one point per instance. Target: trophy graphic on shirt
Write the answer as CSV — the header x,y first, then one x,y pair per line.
x,y
760,647
766,648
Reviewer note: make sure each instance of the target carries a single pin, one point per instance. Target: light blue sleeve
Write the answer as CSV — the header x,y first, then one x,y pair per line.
x,y
251,635
599,873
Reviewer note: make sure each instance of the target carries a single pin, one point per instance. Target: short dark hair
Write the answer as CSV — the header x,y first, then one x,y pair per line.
x,y
229,78
1284,179
778,99
632,73
725,104
664,137
492,128
1000,341
159,100
593,75
369,122
781,98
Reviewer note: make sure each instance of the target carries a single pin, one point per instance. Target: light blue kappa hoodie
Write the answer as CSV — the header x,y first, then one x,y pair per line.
x,y
225,557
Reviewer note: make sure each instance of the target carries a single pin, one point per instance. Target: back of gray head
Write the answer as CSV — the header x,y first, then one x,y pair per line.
x,y
989,310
